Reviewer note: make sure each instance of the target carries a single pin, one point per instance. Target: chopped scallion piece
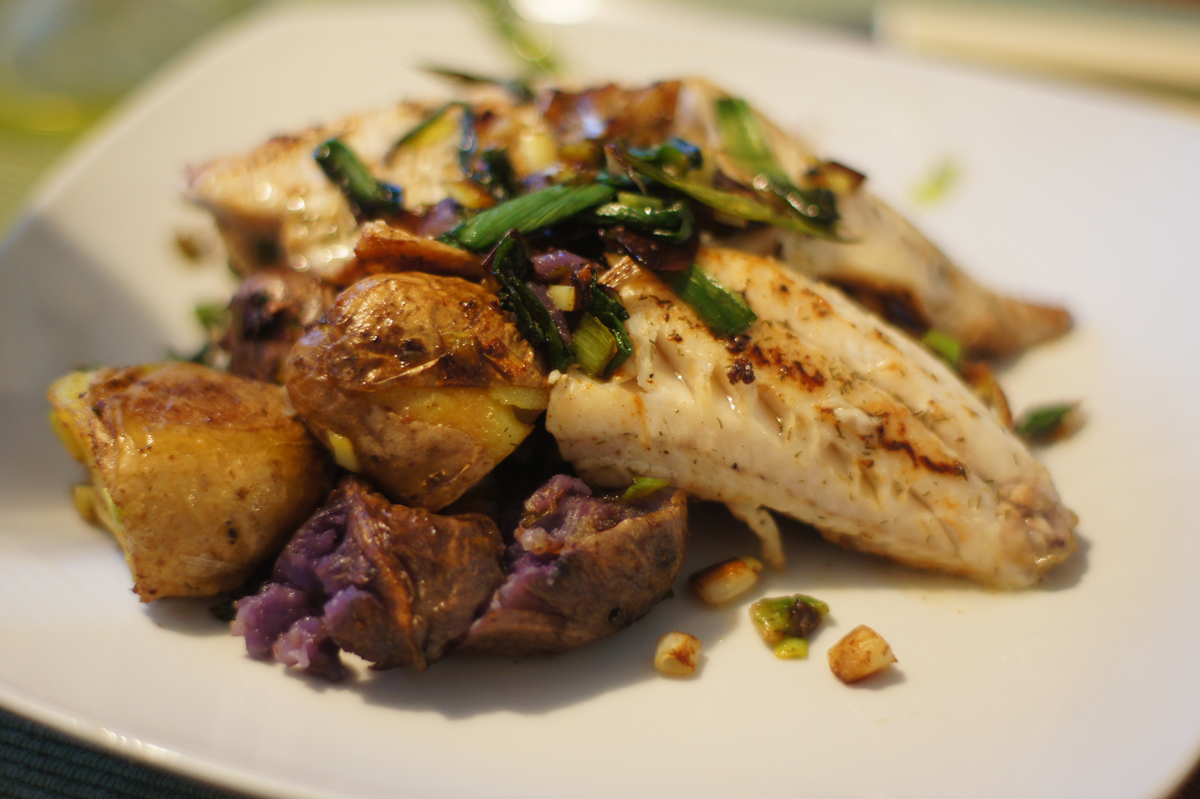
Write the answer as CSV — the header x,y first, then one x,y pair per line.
x,y
432,128
519,89
527,214
635,200
746,145
784,619
677,156
791,647
739,205
674,222
594,346
612,314
743,139
1049,423
212,316
343,167
725,313
509,264
821,607
644,487
945,346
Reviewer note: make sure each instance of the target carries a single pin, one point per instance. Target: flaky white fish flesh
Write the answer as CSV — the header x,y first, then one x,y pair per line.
x,y
882,259
822,412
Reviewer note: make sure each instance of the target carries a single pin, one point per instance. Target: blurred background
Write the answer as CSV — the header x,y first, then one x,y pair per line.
x,y
65,63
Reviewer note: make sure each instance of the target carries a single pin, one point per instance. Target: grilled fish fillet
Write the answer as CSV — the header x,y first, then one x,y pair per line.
x,y
275,207
885,263
821,412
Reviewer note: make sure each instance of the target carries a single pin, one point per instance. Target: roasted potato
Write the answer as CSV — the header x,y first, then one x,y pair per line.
x,y
419,382
200,475
581,568
410,585
267,315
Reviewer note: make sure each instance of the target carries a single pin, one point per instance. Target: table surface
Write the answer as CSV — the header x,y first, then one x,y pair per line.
x,y
37,762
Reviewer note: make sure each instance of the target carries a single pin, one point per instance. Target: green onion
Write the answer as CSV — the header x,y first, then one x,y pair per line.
x,y
643,487
212,316
510,265
593,345
937,184
422,127
787,621
725,313
519,89
743,139
791,647
674,222
816,603
609,311
739,205
501,15
635,200
945,346
527,214
746,145
343,167
677,156
492,170
1048,423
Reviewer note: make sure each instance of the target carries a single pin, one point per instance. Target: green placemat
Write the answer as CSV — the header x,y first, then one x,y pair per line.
x,y
38,763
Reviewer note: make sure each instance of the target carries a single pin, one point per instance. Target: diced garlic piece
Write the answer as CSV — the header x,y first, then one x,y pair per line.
x,y
677,654
563,297
726,580
861,653
535,151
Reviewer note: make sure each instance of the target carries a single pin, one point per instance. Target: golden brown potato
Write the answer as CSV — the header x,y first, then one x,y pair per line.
x,y
418,381
200,475
385,249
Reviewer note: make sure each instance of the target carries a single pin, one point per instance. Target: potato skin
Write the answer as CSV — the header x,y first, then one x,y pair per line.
x,y
394,337
268,314
208,473
597,586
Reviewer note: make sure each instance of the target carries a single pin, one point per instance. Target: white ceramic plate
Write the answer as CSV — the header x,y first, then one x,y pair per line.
x,y
1082,687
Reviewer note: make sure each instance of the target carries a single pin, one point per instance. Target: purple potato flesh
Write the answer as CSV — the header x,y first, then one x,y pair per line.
x,y
401,586
394,585
581,568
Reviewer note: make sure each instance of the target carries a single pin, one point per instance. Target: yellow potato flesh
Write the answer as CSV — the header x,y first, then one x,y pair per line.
x,y
488,415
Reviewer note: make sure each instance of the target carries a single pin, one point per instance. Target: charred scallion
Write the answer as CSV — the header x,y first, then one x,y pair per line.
x,y
725,313
677,156
509,264
673,222
343,167
519,89
433,127
527,214
729,202
746,145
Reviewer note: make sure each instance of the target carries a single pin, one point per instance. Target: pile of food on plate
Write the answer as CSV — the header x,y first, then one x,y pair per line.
x,y
484,351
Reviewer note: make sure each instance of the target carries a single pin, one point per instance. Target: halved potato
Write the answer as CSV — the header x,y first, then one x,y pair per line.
x,y
200,475
418,381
